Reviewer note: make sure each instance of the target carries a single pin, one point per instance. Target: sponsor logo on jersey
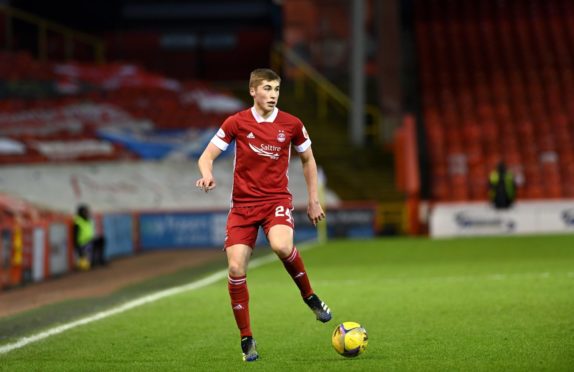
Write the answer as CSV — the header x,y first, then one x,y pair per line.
x,y
220,133
281,136
266,150
238,307
251,135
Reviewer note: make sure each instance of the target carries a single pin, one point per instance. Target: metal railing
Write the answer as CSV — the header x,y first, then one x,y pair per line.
x,y
71,37
325,91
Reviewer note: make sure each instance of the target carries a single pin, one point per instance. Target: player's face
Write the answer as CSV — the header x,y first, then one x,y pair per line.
x,y
266,95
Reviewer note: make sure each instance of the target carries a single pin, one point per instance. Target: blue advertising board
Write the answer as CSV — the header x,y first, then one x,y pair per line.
x,y
207,229
118,231
353,223
182,230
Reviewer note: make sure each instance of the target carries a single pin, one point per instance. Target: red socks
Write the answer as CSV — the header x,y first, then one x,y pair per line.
x,y
240,303
294,265
240,295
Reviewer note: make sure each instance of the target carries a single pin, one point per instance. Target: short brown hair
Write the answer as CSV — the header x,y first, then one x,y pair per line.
x,y
261,74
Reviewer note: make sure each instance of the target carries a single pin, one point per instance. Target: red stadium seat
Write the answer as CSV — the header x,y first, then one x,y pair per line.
x,y
498,84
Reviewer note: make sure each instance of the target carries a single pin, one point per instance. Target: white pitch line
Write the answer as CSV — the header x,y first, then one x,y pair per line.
x,y
219,275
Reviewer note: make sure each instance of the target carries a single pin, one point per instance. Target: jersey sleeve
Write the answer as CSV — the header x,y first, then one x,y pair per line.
x,y
301,139
225,134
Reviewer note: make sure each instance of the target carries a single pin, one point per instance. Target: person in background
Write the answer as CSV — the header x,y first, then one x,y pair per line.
x,y
89,248
501,187
263,137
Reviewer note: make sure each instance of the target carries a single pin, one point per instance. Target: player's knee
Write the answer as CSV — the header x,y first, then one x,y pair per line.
x,y
282,250
236,269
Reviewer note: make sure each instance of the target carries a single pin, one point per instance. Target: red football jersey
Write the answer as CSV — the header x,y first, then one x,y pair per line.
x,y
262,153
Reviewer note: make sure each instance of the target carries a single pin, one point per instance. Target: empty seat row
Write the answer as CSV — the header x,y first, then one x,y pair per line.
x,y
497,83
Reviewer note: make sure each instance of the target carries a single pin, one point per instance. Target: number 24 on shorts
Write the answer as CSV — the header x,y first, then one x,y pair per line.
x,y
281,211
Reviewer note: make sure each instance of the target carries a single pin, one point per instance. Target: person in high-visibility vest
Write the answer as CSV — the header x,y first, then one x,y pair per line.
x,y
90,249
502,187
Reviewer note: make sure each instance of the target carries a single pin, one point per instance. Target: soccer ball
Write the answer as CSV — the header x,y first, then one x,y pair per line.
x,y
350,339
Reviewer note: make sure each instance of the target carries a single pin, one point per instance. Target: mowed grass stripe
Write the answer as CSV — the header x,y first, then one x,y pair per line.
x,y
468,304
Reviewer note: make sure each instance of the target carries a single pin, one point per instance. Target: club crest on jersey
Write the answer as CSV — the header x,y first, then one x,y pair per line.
x,y
269,151
281,136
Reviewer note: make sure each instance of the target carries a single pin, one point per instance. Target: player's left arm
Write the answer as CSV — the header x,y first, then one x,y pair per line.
x,y
314,210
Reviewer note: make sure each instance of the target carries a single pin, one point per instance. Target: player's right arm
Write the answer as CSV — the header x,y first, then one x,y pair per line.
x,y
216,146
205,163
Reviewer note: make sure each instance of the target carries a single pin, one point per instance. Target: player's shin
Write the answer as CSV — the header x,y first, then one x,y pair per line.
x,y
295,267
239,295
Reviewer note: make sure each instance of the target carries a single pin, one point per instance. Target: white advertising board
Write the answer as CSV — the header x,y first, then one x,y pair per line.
x,y
58,240
479,219
38,254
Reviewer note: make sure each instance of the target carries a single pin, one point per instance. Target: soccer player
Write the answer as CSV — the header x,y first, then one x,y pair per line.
x,y
263,138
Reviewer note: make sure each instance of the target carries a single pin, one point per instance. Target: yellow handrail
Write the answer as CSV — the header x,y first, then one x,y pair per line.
x,y
44,25
325,90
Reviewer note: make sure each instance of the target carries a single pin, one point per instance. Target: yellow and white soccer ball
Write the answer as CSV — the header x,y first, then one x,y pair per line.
x,y
350,339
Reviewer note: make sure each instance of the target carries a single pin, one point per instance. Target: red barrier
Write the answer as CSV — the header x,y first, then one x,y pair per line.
x,y
399,153
26,251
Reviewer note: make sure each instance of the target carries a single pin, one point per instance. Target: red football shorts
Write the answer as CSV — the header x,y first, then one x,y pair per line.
x,y
243,222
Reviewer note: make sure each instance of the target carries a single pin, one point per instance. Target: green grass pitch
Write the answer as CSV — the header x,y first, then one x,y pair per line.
x,y
489,304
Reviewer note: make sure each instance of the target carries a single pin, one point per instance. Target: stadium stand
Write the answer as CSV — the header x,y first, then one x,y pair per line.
x,y
496,84
109,113
79,111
